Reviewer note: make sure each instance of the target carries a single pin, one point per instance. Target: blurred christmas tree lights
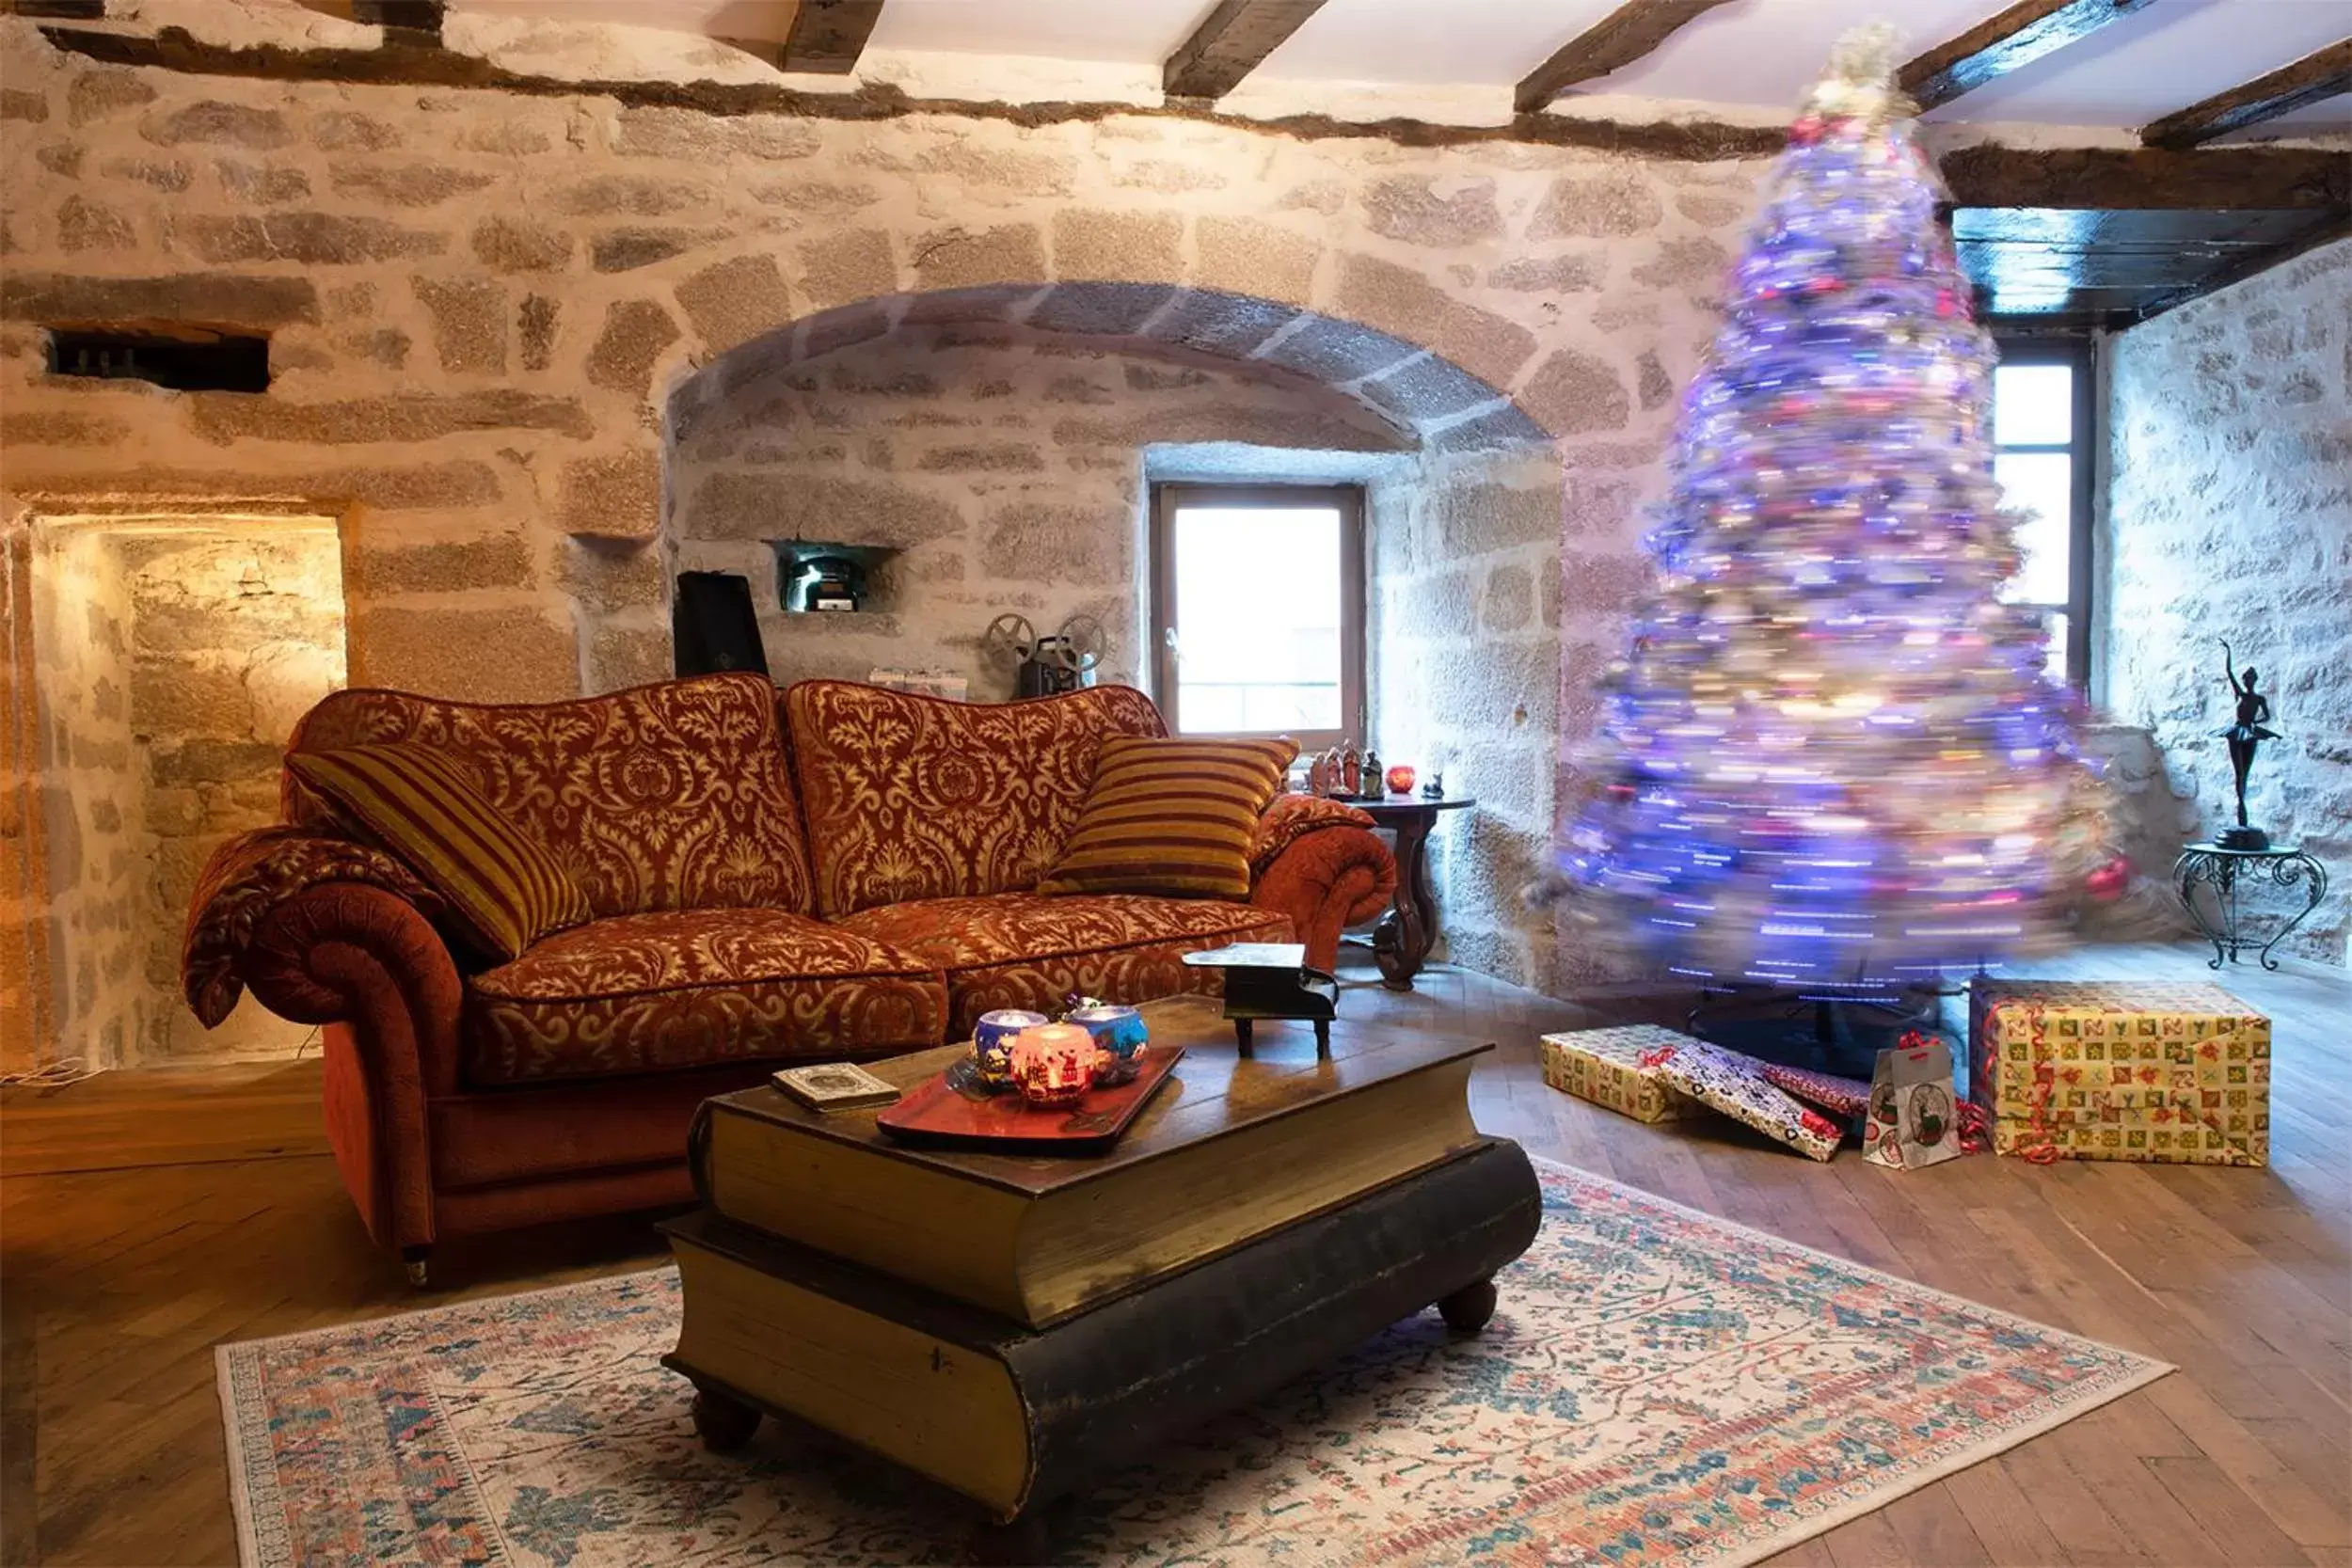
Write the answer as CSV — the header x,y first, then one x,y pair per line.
x,y
1832,755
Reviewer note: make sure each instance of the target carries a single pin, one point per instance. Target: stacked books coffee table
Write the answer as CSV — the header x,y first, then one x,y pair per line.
x,y
1015,1327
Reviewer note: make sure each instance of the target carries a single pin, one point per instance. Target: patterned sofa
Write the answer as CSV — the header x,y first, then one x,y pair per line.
x,y
837,871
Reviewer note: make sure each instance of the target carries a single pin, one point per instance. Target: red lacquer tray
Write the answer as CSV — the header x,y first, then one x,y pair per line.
x,y
938,1112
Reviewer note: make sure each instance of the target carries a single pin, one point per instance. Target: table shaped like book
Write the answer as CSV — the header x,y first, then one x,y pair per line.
x,y
1014,1327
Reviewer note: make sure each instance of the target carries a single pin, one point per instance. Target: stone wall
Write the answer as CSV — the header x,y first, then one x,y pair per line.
x,y
87,780
172,658
2230,514
480,305
236,631
1005,466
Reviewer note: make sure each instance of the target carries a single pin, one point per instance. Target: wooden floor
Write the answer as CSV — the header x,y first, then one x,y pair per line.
x,y
221,1219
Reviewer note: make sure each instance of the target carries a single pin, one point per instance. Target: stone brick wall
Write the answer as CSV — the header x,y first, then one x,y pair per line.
x,y
2230,514
1008,467
480,305
171,660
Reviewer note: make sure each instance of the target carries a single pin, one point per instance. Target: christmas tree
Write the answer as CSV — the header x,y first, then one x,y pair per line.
x,y
1831,754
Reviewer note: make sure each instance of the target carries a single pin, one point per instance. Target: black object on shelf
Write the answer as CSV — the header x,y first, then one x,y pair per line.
x,y
713,626
1271,980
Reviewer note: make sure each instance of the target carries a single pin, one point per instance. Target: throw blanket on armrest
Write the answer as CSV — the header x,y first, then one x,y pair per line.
x,y
1290,818
251,874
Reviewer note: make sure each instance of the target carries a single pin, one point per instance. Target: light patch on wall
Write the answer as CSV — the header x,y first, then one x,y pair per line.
x,y
173,654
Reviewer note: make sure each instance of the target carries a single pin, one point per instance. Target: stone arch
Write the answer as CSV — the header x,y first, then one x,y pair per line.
x,y
1380,395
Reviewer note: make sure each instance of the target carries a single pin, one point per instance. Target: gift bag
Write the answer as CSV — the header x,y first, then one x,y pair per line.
x,y
1914,1115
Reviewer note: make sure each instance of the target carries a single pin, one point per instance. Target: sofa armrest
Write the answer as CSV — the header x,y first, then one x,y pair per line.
x,y
1292,818
252,874
367,963
1320,862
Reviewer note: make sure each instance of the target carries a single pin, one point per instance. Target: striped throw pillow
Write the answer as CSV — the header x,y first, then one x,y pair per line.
x,y
1172,817
504,888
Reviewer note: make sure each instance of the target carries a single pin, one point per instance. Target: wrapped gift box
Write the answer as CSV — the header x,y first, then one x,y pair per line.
x,y
2092,1070
1604,1066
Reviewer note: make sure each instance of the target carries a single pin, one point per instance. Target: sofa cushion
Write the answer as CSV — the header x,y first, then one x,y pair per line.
x,y
667,796
1173,818
693,988
504,890
1024,950
912,797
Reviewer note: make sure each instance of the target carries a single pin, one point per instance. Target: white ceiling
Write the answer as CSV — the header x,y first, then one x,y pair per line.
x,y
1747,54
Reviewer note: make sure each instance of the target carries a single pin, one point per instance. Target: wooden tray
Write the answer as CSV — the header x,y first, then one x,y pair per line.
x,y
938,1112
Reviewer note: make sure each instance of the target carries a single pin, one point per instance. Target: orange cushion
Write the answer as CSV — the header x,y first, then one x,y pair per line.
x,y
696,987
1171,817
503,889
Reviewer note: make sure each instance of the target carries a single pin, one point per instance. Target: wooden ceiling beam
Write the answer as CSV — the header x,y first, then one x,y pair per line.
x,y
1235,39
1618,40
828,35
2148,179
2326,74
1991,50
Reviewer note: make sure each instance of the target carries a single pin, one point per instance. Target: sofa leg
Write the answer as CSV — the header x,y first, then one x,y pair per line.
x,y
415,1258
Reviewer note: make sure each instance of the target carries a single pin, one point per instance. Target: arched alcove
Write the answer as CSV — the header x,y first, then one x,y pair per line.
x,y
993,448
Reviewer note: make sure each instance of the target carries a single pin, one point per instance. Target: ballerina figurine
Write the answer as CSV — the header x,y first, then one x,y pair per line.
x,y
2253,712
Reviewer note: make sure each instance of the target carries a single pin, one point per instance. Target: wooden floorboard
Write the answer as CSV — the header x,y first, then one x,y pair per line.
x,y
145,1217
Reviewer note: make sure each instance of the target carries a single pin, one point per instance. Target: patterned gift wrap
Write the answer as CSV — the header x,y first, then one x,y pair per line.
x,y
1604,1066
2085,1071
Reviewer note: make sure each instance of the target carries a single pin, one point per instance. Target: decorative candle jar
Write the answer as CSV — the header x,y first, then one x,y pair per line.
x,y
1118,1034
1054,1063
992,1042
1401,780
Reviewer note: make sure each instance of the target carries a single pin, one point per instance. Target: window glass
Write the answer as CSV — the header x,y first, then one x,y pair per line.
x,y
2040,485
1258,618
2033,405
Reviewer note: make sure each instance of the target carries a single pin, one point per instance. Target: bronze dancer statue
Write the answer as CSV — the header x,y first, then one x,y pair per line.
x,y
2253,712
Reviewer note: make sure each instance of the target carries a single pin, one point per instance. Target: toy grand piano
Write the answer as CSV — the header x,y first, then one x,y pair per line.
x,y
1270,979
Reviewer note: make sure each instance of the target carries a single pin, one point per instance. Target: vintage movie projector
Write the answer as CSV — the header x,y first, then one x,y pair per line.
x,y
1041,666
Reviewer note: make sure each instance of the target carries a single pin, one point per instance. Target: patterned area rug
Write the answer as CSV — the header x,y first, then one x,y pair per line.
x,y
1658,1387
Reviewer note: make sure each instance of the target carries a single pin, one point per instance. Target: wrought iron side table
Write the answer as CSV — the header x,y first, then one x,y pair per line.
x,y
2220,871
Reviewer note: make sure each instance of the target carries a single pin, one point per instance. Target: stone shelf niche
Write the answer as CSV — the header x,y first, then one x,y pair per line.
x,y
171,656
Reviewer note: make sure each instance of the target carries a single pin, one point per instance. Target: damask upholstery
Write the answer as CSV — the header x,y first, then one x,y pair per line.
x,y
911,798
1289,818
504,890
1171,817
251,874
542,1089
1028,950
695,987
667,796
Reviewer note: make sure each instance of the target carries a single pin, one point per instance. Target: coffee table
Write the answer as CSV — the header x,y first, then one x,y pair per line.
x,y
1262,1216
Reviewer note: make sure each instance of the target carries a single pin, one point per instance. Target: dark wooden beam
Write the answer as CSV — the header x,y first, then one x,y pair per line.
x,y
2324,74
828,35
1229,45
1619,39
2018,37
2219,179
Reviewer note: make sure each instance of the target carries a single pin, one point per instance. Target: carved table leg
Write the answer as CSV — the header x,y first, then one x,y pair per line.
x,y
1402,940
724,1422
1466,1311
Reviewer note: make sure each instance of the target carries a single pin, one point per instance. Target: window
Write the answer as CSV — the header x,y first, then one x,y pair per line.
x,y
1257,610
2041,436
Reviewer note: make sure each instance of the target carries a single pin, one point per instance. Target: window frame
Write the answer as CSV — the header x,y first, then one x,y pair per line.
x,y
2077,353
1167,497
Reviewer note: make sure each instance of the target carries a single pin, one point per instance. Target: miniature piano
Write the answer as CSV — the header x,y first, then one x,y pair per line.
x,y
1271,980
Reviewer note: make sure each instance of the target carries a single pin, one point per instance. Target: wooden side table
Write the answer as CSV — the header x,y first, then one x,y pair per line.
x,y
1402,940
